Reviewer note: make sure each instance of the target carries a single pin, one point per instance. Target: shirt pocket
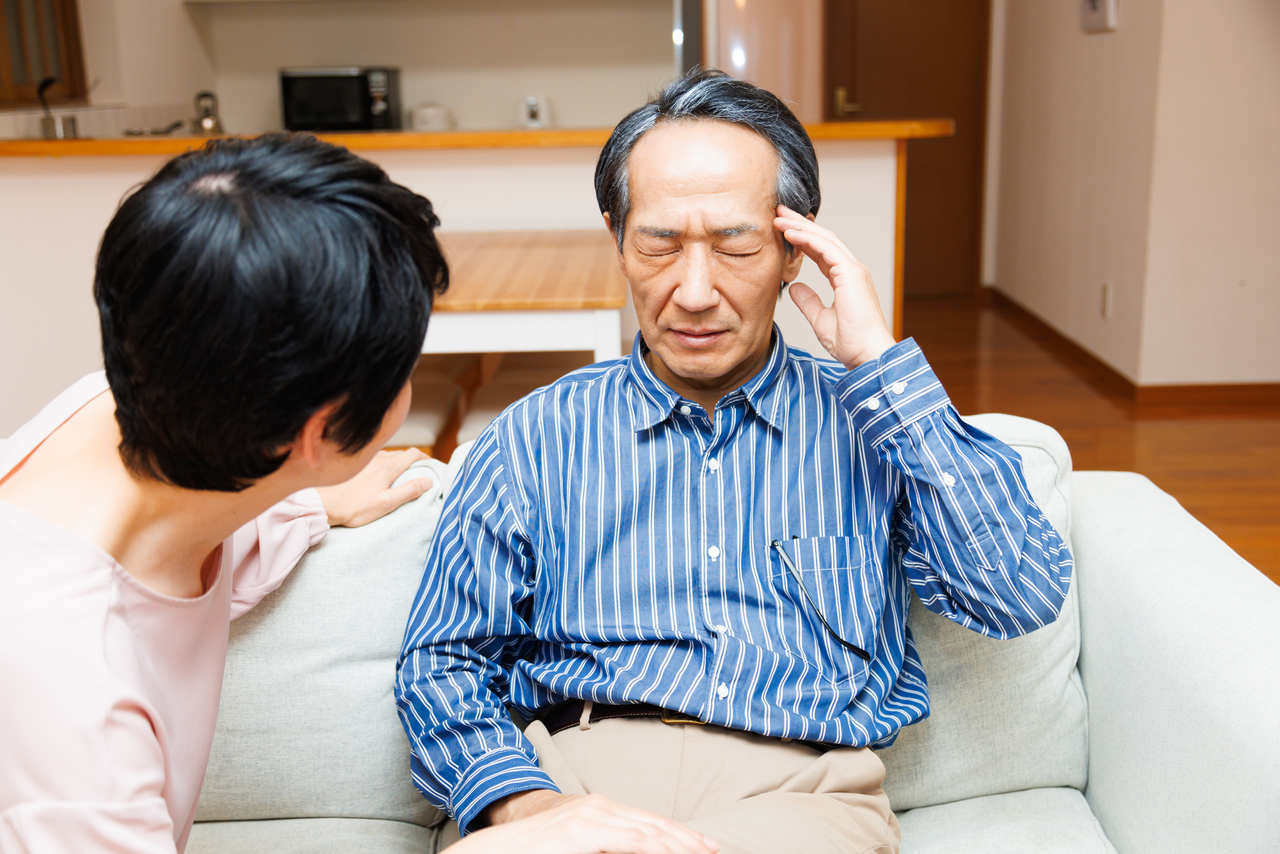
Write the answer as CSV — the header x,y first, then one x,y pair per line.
x,y
828,579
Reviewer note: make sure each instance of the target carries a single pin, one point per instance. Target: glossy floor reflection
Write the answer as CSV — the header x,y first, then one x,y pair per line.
x,y
1221,463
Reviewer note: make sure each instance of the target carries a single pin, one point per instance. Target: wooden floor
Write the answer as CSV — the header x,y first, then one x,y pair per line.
x,y
1221,463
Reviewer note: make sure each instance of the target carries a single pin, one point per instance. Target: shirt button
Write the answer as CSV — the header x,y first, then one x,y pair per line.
x,y
685,410
722,691
899,387
873,404
722,629
947,479
713,552
713,464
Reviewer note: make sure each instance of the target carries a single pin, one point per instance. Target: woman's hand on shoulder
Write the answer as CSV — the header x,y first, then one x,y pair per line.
x,y
370,494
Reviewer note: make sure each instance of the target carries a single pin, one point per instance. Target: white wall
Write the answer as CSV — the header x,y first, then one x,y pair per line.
x,y
146,52
1078,123
595,59
1147,158
1212,305
991,164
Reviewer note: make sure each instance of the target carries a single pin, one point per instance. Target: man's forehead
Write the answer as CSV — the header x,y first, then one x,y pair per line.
x,y
701,157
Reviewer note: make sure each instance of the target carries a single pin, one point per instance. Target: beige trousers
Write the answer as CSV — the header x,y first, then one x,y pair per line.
x,y
755,795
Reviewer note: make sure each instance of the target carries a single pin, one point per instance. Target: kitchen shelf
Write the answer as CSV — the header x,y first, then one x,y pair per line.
x,y
416,141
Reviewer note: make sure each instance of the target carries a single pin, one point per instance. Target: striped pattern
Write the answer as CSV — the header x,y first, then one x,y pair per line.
x,y
606,540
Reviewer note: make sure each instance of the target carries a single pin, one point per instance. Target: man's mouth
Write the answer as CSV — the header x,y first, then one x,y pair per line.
x,y
698,338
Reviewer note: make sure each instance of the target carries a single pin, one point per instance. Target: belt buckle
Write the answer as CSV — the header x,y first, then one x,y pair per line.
x,y
669,717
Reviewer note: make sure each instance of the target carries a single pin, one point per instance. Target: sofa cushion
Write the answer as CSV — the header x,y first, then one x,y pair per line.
x,y
308,725
312,836
1006,715
1044,821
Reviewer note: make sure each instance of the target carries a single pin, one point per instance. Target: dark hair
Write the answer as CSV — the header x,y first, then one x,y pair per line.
x,y
247,285
713,95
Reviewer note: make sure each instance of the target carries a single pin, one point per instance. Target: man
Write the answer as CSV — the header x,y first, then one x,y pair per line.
x,y
691,568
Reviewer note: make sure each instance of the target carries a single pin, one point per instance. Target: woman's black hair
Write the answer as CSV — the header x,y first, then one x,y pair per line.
x,y
246,286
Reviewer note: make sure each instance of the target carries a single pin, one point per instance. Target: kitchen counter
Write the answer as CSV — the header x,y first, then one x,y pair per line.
x,y
416,141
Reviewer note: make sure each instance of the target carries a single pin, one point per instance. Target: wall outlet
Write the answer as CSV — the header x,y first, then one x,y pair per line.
x,y
1106,301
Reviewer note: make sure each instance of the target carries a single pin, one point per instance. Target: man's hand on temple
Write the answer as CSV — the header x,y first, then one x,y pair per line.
x,y
853,328
547,822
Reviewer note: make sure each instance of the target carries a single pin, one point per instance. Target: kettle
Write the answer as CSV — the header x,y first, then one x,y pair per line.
x,y
207,122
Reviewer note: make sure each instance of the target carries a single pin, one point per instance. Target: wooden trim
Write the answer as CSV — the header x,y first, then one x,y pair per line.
x,y
900,240
1266,395
1150,400
904,129
411,141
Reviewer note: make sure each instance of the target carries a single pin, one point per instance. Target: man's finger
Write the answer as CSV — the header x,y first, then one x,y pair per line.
x,y
808,301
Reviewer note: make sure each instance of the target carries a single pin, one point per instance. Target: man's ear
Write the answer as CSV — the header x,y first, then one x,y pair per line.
x,y
310,444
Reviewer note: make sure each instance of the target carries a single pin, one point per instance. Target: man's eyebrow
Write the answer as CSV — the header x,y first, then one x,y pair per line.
x,y
727,231
654,231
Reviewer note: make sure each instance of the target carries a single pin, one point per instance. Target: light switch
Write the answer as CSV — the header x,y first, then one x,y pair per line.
x,y
1099,16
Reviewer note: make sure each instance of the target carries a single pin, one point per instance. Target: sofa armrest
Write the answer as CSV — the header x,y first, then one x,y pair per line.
x,y
1180,658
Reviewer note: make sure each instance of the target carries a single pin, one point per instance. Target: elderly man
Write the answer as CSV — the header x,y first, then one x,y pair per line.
x,y
691,568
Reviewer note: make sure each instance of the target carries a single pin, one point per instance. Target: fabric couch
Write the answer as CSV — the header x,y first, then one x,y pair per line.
x,y
1146,720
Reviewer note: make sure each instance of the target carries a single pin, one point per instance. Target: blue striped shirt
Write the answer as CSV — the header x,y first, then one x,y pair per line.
x,y
608,540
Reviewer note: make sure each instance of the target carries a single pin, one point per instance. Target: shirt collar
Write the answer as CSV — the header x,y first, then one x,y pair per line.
x,y
761,391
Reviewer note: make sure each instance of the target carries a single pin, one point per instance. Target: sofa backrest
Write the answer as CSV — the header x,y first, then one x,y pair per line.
x,y
1006,715
308,726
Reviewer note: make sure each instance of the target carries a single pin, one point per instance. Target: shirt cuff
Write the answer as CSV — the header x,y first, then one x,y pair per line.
x,y
495,775
890,393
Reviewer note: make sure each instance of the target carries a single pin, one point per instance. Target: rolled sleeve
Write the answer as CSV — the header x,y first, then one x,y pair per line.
x,y
493,776
266,550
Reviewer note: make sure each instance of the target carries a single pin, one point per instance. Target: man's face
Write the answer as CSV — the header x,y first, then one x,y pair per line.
x,y
700,250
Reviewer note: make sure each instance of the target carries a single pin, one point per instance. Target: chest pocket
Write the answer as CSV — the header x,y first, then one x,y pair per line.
x,y
827,575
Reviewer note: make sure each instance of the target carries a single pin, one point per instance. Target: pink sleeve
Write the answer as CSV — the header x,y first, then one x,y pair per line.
x,y
264,551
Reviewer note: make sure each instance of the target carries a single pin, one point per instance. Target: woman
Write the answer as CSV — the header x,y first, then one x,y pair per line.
x,y
263,303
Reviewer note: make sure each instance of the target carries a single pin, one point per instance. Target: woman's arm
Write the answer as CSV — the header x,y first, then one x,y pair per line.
x,y
267,549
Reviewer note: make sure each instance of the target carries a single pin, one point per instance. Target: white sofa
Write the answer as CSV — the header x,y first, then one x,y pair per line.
x,y
1145,721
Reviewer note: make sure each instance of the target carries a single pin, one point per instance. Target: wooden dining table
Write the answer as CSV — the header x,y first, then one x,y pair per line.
x,y
523,291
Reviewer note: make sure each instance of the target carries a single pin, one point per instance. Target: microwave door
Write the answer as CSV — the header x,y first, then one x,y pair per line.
x,y
325,103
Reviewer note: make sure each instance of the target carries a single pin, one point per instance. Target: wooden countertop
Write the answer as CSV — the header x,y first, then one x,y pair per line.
x,y
531,271
415,141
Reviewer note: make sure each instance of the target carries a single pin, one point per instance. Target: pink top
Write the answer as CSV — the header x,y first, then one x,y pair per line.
x,y
108,690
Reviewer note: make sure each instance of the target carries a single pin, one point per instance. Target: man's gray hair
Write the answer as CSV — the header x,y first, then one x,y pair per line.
x,y
715,96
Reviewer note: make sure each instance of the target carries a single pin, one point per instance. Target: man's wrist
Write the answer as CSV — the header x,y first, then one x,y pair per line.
x,y
870,353
520,805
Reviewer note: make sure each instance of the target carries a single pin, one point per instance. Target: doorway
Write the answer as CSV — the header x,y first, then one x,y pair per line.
x,y
909,59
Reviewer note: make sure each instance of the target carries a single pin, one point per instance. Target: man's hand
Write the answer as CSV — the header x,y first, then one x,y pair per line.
x,y
369,495
546,822
853,329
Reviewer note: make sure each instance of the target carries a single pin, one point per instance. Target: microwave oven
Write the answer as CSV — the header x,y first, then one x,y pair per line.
x,y
340,98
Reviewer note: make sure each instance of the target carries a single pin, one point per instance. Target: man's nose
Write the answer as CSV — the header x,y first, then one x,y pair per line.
x,y
696,291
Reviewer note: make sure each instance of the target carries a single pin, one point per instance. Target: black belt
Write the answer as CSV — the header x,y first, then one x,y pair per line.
x,y
569,714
